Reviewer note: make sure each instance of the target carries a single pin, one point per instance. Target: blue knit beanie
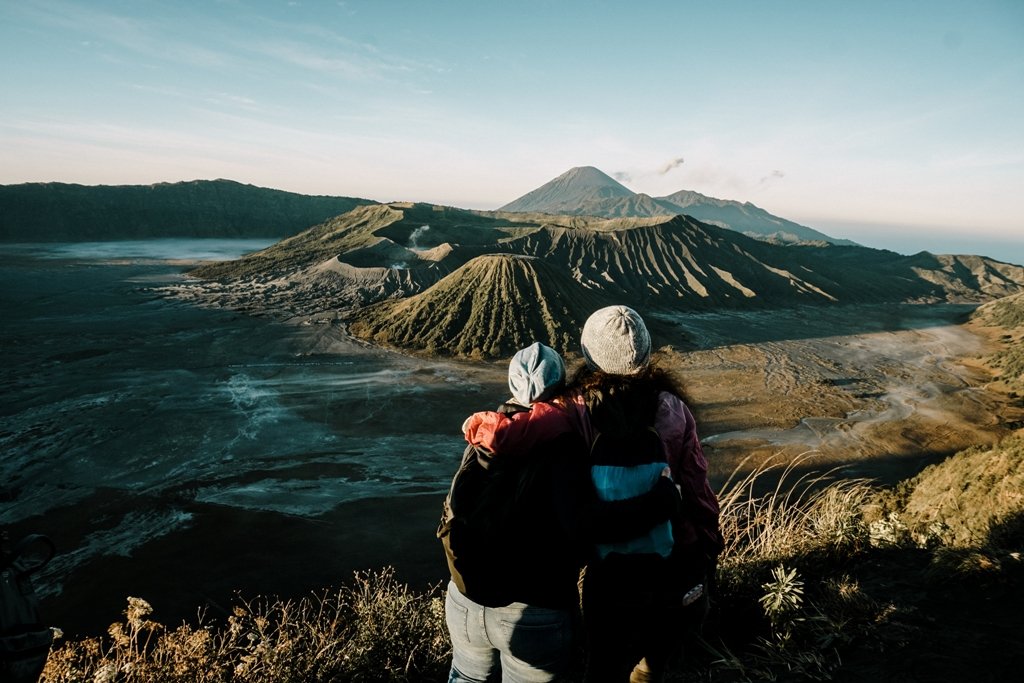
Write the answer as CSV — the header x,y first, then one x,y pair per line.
x,y
535,373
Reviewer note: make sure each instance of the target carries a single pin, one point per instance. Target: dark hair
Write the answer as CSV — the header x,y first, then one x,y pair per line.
x,y
652,380
623,403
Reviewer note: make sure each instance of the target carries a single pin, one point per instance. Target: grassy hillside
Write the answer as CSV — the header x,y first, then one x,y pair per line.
x,y
59,212
1008,315
820,580
968,501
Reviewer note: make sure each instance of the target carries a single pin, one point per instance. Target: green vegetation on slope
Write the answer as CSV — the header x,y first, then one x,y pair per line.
x,y
1008,314
819,580
967,501
58,212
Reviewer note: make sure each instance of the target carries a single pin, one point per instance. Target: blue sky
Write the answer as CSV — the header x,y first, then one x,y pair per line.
x,y
896,124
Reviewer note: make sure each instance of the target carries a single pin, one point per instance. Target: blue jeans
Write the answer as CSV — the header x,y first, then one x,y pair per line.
x,y
515,644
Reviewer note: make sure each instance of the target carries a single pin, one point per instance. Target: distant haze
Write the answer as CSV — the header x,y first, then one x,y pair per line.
x,y
910,239
857,114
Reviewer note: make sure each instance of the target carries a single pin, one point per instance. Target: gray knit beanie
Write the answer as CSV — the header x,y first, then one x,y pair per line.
x,y
615,340
535,373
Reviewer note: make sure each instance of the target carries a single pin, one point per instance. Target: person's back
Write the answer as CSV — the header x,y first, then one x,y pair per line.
x,y
512,602
638,599
546,557
503,530
557,516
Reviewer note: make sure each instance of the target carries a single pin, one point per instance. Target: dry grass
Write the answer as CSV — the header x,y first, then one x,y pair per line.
x,y
783,613
960,502
373,630
789,553
814,513
1007,313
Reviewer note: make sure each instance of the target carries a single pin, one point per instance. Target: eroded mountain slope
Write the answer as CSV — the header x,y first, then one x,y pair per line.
x,y
398,251
491,306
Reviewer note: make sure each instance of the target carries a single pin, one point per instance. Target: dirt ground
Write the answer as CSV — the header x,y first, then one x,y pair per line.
x,y
880,404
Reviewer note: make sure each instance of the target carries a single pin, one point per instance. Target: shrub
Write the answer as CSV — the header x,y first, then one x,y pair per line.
x,y
960,501
812,515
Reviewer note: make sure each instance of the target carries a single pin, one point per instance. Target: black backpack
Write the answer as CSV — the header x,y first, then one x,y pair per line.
x,y
24,640
478,521
624,466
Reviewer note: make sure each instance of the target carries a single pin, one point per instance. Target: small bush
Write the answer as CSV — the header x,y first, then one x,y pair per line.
x,y
960,501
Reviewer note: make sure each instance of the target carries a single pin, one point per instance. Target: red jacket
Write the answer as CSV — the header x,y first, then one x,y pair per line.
x,y
676,426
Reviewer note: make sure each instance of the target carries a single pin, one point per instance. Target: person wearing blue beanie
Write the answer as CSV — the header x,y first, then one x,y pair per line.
x,y
535,373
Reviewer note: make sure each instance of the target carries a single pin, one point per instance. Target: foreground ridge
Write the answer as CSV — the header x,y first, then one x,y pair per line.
x,y
821,579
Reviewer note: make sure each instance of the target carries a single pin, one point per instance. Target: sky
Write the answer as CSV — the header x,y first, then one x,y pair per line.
x,y
897,124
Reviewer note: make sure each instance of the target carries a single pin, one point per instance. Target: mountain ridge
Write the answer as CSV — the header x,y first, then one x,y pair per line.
x,y
56,212
490,305
402,252
586,190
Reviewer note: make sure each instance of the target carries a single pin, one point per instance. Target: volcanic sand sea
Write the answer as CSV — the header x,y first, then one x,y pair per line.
x,y
878,391
181,454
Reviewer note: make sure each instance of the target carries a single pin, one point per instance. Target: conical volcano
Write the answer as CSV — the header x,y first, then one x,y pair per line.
x,y
573,192
490,307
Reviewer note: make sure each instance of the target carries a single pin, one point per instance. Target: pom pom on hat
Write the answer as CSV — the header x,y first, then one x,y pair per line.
x,y
535,373
615,340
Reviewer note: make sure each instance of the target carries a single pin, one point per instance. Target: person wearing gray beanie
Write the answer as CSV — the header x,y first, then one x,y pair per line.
x,y
615,341
640,596
535,374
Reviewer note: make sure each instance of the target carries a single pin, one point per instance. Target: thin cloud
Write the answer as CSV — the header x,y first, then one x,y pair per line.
x,y
772,177
675,163
145,37
313,60
314,37
226,99
622,177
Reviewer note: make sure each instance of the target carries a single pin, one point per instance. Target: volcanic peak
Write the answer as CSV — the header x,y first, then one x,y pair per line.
x,y
588,191
489,307
571,192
